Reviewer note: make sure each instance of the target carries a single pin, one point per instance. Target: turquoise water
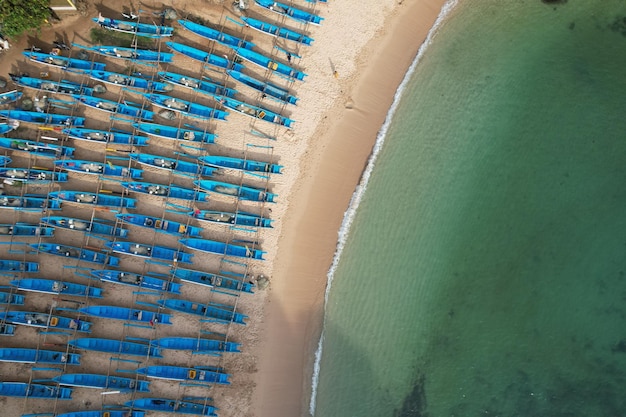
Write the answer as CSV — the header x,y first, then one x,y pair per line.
x,y
485,270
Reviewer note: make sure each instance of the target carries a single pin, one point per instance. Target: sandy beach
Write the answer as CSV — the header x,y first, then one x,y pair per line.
x,y
359,56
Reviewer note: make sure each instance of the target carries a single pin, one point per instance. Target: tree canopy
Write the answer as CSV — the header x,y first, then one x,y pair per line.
x,y
18,16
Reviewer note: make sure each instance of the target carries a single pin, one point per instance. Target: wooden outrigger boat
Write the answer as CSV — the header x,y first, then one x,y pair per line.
x,y
150,251
136,280
240,191
282,9
115,347
50,286
96,199
212,280
27,175
216,35
117,137
185,107
18,266
126,314
24,390
85,255
166,405
205,57
255,112
91,226
221,248
166,191
176,166
98,168
267,88
133,54
7,329
29,202
110,106
25,229
13,299
170,132
196,345
61,87
208,374
269,63
160,225
239,218
44,320
6,127
42,118
63,62
10,97
98,381
94,413
277,31
213,311
36,148
201,86
21,355
135,28
130,81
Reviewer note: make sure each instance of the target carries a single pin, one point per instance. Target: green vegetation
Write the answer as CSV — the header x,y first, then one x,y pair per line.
x,y
108,37
18,16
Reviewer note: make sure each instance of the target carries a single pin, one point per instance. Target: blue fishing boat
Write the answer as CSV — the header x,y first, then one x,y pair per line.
x,y
221,248
239,218
10,97
196,345
5,160
160,225
129,81
25,229
98,168
126,314
282,9
82,254
150,251
216,35
29,202
42,118
136,280
18,266
21,355
170,132
13,299
110,106
115,346
267,88
50,286
255,112
176,166
44,320
203,56
269,63
185,107
240,191
28,175
166,191
202,86
117,137
213,311
24,390
133,54
98,381
62,87
91,226
36,148
96,199
166,405
6,127
212,375
135,28
277,31
63,62
95,413
7,329
212,280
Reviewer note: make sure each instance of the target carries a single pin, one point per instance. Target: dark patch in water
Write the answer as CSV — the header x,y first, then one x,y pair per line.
x,y
572,26
554,1
620,347
414,405
618,25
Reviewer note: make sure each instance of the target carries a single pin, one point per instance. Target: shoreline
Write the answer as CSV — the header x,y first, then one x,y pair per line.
x,y
293,317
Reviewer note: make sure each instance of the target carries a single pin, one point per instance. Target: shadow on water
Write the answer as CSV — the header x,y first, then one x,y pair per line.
x,y
414,404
